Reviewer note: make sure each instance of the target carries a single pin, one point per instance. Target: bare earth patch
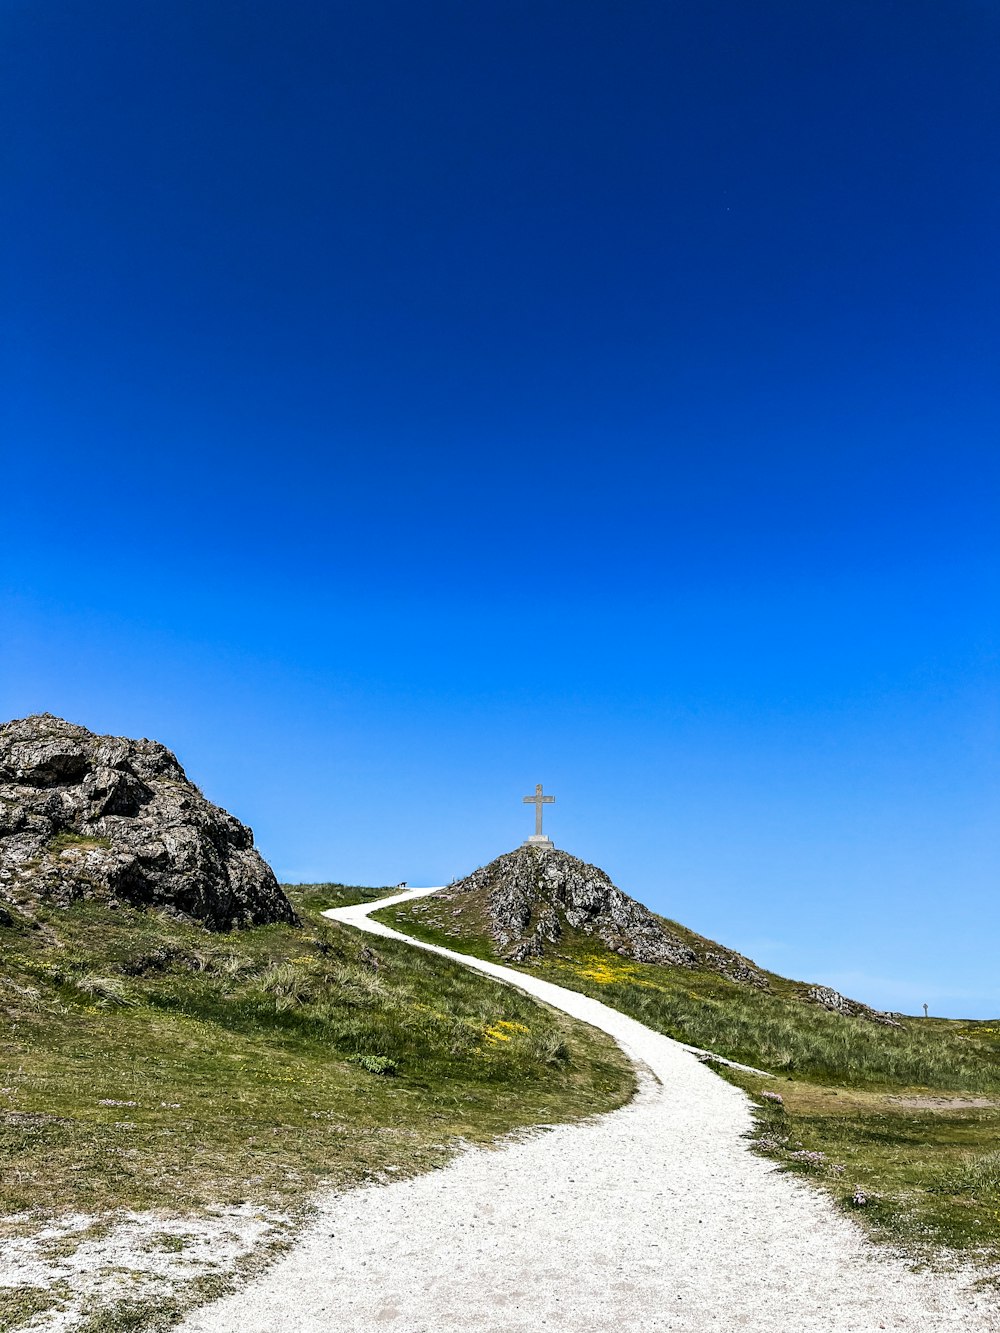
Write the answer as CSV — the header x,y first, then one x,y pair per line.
x,y
943,1103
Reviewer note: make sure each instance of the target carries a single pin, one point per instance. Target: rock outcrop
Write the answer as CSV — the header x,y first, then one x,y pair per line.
x,y
828,998
528,900
531,902
116,820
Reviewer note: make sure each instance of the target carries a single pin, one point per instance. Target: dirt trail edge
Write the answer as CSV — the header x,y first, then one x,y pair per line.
x,y
653,1217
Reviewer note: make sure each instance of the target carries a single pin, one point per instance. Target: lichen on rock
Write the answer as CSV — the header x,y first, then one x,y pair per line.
x,y
105,818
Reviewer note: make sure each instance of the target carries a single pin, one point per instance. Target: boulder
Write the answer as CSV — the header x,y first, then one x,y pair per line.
x,y
117,820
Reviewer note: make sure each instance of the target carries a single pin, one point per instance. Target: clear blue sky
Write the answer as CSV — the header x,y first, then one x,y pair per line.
x,y
408,403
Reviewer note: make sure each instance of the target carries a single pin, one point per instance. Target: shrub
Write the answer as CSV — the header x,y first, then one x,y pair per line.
x,y
375,1064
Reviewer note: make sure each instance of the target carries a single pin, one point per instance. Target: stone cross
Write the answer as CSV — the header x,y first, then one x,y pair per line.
x,y
538,800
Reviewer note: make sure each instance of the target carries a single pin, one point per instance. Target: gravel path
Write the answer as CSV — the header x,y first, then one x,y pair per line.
x,y
653,1217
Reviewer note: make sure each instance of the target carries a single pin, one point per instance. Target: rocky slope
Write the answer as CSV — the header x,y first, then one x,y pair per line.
x,y
117,820
528,899
532,902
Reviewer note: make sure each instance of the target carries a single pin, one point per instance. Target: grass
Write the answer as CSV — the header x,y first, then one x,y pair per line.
x,y
916,1172
21,1305
320,897
150,1315
66,841
146,1063
883,1115
143,1058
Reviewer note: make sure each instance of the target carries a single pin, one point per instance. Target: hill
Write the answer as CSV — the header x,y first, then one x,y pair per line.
x,y
532,904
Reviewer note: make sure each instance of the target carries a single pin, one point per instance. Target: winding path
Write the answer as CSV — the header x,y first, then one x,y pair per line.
x,y
654,1217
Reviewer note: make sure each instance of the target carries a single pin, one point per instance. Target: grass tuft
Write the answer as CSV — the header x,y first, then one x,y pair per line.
x,y
67,841
105,990
978,1175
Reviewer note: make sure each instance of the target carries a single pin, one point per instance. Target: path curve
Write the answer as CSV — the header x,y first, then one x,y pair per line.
x,y
653,1217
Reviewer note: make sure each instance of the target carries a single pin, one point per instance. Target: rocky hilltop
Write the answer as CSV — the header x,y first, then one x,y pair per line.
x,y
116,820
532,902
528,901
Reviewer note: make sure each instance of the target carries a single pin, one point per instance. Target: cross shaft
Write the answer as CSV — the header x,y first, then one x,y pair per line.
x,y
538,800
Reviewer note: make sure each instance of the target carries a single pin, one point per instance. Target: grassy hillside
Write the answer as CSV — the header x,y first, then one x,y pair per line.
x,y
900,1123
146,1063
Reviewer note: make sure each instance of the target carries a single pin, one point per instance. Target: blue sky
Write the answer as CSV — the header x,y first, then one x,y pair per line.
x,y
410,403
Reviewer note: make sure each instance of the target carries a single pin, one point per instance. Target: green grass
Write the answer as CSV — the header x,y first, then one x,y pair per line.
x,y
146,1062
926,1171
888,1109
320,897
63,841
151,1314
21,1305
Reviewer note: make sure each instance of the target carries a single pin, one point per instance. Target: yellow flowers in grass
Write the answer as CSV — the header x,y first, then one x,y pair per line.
x,y
606,970
501,1031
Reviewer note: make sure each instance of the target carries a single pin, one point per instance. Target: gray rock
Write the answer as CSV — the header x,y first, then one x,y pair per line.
x,y
117,820
530,898
831,999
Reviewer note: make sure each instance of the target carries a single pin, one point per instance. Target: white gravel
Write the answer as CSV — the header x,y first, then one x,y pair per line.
x,y
653,1217
133,1256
